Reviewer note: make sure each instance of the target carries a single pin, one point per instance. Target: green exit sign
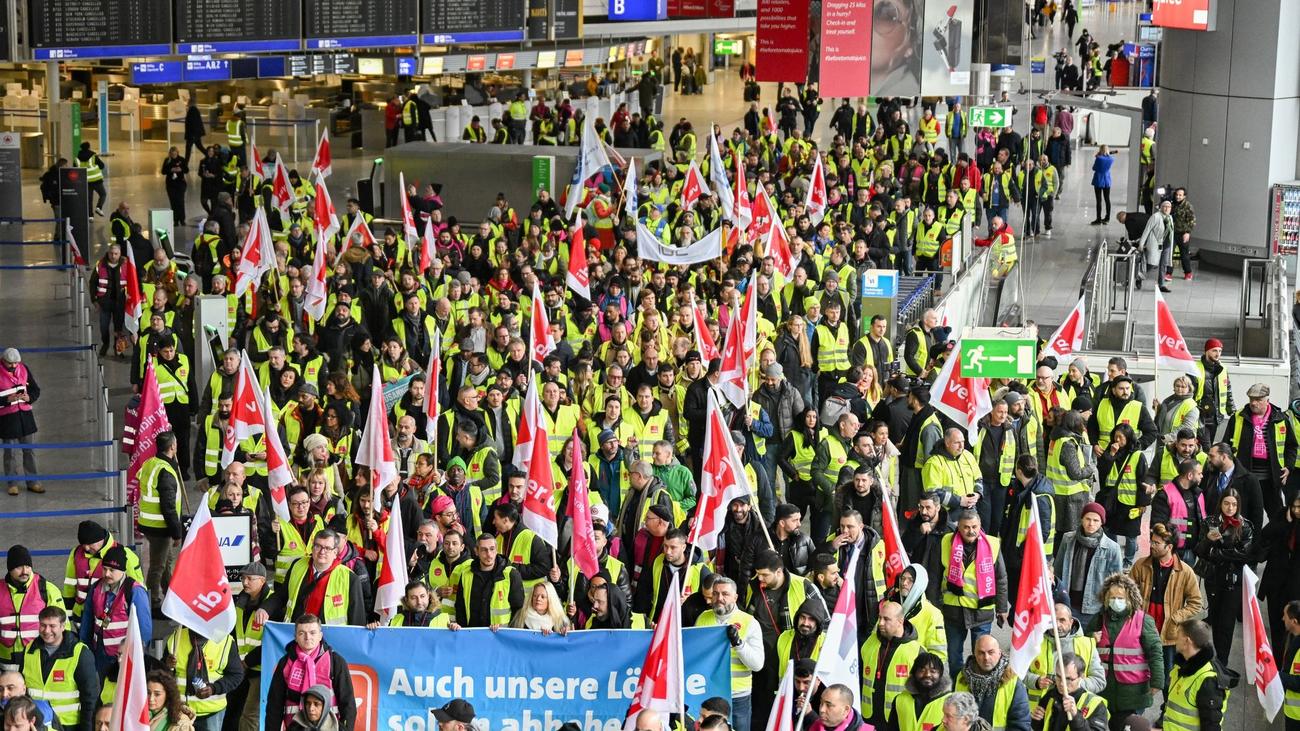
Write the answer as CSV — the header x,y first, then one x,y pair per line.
x,y
997,358
726,47
994,117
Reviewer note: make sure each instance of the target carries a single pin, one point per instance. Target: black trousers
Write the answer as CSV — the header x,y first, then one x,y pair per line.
x,y
176,198
101,193
178,415
1102,194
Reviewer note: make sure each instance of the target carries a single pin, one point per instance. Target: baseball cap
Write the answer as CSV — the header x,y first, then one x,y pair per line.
x,y
457,710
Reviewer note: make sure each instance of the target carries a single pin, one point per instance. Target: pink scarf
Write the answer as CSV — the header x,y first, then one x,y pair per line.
x,y
302,671
983,566
819,726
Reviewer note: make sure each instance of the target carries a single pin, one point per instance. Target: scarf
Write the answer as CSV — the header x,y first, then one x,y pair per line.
x,y
984,583
848,720
316,597
302,670
1088,541
1232,522
159,721
536,620
982,685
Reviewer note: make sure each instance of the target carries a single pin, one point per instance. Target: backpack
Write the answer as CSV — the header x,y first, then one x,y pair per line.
x,y
833,407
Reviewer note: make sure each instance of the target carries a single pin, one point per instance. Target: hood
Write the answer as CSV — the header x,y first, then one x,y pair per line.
x,y
1060,431
323,692
913,598
1041,486
816,610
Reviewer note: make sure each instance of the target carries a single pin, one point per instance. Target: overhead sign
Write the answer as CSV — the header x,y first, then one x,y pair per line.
x,y
1001,358
157,72
992,117
67,29
728,47
486,21
846,48
880,283
1185,14
359,23
237,26
631,10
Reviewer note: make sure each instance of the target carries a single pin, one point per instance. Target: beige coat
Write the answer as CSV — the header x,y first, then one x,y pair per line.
x,y
1183,599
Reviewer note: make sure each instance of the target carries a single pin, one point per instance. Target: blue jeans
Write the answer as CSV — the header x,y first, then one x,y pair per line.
x,y
742,709
956,632
210,722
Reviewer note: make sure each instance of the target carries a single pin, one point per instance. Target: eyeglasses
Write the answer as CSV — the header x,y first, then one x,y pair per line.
x,y
323,549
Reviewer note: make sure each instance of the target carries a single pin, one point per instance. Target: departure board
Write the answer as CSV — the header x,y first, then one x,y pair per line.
x,y
360,23
99,28
473,21
237,26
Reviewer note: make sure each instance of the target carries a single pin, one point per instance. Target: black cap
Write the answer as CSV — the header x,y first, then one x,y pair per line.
x,y
457,710
19,556
1081,403
115,558
89,532
662,512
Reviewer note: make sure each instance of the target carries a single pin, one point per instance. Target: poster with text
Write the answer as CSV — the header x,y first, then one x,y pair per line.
x,y
781,47
846,58
946,38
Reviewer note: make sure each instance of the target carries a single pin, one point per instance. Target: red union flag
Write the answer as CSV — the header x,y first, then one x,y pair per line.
x,y
579,278
692,187
432,379
258,256
539,328
762,215
153,421
408,220
326,217
282,193
359,226
1068,338
376,449
131,696
198,596
895,555
1261,667
538,511
134,296
585,555
393,575
323,165
318,285
964,400
782,716
815,203
778,247
723,480
703,338
1034,609
278,474
662,685
1171,348
245,411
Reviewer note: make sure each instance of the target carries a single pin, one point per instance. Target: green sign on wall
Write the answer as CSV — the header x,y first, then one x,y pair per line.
x,y
728,47
544,173
997,358
994,117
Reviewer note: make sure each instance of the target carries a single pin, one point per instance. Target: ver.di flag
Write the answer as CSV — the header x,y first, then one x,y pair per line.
x,y
326,218
662,685
131,696
538,510
722,480
964,400
198,595
1068,338
152,422
895,554
578,277
317,294
246,412
840,656
1171,348
258,255
815,203
279,475
376,449
393,577
1260,665
1034,605
323,165
585,554
134,306
540,343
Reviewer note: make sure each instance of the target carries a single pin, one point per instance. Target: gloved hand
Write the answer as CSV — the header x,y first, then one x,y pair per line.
x,y
733,635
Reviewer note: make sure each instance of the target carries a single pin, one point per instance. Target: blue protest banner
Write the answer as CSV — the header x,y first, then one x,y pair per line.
x,y
517,680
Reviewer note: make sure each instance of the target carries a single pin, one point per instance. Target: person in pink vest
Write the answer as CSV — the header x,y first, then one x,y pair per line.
x,y
22,597
1181,505
108,609
18,391
1129,647
307,661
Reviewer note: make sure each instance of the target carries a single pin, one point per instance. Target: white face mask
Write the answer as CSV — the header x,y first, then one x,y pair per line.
x,y
1117,605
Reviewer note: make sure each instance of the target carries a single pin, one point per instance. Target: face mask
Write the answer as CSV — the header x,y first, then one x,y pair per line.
x,y
1117,605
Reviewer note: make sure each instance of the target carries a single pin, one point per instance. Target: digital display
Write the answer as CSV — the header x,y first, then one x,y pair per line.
x,y
406,66
432,66
62,29
546,59
370,66
270,67
360,23
456,21
237,26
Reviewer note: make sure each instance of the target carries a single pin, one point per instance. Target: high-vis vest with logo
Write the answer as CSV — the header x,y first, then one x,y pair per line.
x,y
83,570
922,350
931,715
1006,455
111,620
499,605
1106,421
59,688
248,634
151,514
1181,713
1124,480
174,383
1291,706
690,580
1001,704
293,547
1056,473
894,677
20,620
1240,428
957,475
969,598
742,678
928,239
1045,663
338,587
1086,705
832,347
1124,657
521,552
215,654
1022,530
1221,380
785,645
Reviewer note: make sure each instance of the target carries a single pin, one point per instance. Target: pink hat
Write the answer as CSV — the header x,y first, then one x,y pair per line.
x,y
441,503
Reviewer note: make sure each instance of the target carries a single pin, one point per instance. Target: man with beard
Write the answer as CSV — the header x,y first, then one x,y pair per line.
x,y
804,700
887,658
804,640
926,618
1071,707
795,547
923,533
976,585
742,538
1001,696
774,597
746,639
1041,676
920,704
824,570
677,559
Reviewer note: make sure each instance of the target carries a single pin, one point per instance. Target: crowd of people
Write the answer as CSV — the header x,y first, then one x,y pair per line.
x,y
838,415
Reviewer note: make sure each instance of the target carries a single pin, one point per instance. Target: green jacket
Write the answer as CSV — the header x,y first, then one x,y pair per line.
x,y
680,484
1124,698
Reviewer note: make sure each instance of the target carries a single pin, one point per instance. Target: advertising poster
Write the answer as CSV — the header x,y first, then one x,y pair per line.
x,y
946,38
1185,14
898,37
847,47
781,45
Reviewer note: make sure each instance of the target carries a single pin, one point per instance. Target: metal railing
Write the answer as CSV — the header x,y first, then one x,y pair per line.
x,y
1266,309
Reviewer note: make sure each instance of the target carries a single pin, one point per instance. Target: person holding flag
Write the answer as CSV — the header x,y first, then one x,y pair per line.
x,y
109,606
1067,705
161,489
319,585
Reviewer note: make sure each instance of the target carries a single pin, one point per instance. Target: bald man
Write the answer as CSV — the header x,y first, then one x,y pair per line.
x,y
987,675
648,720
13,686
887,658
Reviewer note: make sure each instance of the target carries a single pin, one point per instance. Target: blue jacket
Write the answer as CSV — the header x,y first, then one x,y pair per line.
x,y
143,615
1101,170
1106,560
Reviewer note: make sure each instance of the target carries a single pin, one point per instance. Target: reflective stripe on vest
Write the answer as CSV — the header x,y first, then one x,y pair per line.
x,y
215,655
931,716
895,676
832,349
234,133
59,688
1056,473
1002,703
805,450
151,515
969,597
499,605
1178,517
111,621
922,350
1045,663
742,678
1006,456
1131,414
1181,711
20,624
1127,660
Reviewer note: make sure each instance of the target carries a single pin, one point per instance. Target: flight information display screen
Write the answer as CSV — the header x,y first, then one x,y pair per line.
x,y
99,28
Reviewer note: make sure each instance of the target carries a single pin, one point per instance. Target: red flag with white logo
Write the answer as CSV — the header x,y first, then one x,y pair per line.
x,y
840,658
662,684
764,215
1068,338
692,186
278,475
538,511
77,258
734,383
359,226
246,411
428,248
255,164
134,295
749,325
815,202
1171,348
317,295
895,555
703,338
282,192
782,716
323,165
1034,605
744,207
579,278
408,221
778,247
131,696
585,554
964,400
540,343
722,480
526,432
198,596
1260,663
153,421
326,217
376,448
393,576
258,255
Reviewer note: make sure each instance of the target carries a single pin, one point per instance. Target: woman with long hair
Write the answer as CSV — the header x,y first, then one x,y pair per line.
x,y
794,353
544,611
869,387
166,711
795,461
1122,468
1227,542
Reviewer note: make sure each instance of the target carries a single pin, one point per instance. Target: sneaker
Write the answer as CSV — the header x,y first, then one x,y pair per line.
x,y
103,350
1169,277
13,488
1187,277
99,212
1095,222
36,488
1049,233
1165,289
